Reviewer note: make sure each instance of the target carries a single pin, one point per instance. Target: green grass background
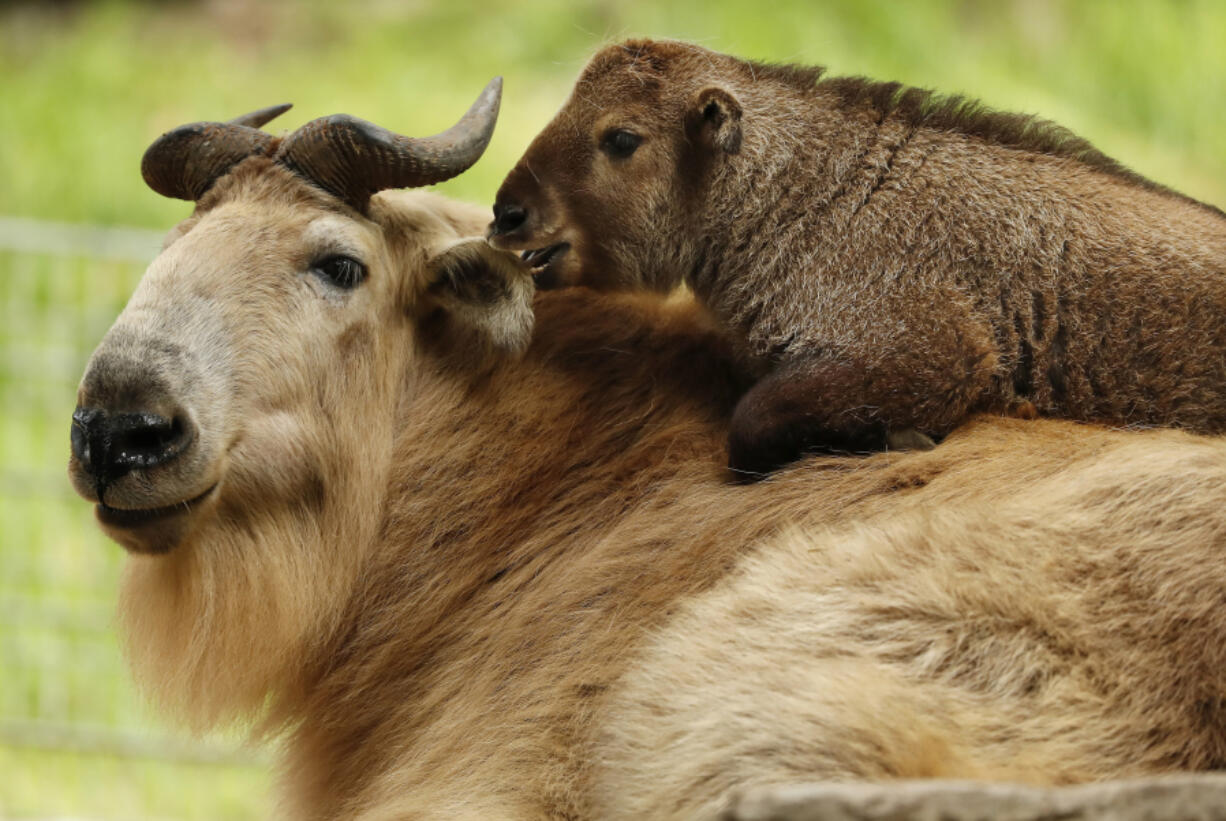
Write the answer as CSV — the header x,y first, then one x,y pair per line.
x,y
85,87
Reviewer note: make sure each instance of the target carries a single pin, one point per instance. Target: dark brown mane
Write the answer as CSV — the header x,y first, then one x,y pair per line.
x,y
803,78
924,108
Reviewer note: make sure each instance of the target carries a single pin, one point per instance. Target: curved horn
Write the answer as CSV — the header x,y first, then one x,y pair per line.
x,y
353,158
185,162
262,116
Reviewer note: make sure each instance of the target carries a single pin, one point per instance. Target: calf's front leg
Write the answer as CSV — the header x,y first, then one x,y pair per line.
x,y
827,403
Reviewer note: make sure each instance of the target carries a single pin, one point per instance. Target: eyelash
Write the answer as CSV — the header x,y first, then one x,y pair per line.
x,y
342,271
619,143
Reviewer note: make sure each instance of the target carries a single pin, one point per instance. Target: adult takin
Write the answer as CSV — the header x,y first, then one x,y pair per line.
x,y
465,586
891,259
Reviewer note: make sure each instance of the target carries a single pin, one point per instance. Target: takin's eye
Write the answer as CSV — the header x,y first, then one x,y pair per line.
x,y
340,270
619,143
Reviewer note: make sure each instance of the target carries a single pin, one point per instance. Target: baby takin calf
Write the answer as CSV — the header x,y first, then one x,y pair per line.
x,y
890,259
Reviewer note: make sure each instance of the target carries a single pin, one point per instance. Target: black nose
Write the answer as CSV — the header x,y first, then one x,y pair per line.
x,y
507,217
109,445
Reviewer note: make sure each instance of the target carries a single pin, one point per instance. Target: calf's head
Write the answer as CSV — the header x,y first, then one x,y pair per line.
x,y
606,195
234,427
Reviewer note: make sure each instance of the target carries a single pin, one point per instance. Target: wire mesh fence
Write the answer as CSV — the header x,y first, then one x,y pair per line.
x,y
75,740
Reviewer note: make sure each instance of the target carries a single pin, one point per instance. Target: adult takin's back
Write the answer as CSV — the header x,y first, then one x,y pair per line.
x,y
891,259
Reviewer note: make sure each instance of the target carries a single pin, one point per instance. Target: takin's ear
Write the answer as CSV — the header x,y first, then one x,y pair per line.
x,y
715,119
484,292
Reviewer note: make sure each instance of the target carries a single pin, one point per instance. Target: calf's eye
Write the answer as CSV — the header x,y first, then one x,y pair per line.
x,y
620,143
342,271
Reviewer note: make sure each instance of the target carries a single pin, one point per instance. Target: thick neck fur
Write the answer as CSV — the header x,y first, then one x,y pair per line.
x,y
500,478
219,629
231,625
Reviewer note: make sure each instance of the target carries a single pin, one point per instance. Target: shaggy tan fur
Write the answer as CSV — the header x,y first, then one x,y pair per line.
x,y
277,371
1018,640
891,259
465,588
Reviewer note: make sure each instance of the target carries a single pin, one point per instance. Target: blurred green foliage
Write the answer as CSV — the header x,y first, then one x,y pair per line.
x,y
85,87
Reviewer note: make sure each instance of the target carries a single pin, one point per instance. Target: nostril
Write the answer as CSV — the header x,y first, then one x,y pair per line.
x,y
508,217
109,445
143,440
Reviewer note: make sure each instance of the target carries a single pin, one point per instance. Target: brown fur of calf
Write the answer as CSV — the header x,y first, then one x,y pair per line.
x,y
891,259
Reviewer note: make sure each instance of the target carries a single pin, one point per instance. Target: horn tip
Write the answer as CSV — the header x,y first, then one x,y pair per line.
x,y
262,116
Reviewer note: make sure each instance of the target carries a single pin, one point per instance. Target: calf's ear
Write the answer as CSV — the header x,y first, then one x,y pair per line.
x,y
715,118
484,293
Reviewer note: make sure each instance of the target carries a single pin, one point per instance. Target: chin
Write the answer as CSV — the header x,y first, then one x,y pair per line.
x,y
155,531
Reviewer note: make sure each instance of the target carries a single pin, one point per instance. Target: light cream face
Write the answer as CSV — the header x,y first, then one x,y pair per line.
x,y
275,332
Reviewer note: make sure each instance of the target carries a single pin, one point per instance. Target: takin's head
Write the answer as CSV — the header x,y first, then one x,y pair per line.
x,y
234,425
607,195
271,318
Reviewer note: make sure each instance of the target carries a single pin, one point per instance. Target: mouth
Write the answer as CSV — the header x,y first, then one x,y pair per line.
x,y
540,261
128,518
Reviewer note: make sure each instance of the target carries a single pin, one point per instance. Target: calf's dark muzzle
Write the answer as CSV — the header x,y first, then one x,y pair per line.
x,y
508,217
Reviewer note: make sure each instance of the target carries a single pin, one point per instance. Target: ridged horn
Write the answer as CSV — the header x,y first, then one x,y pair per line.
x,y
185,162
353,158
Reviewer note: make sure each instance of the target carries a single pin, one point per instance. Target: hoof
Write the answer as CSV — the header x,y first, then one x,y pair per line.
x,y
908,439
